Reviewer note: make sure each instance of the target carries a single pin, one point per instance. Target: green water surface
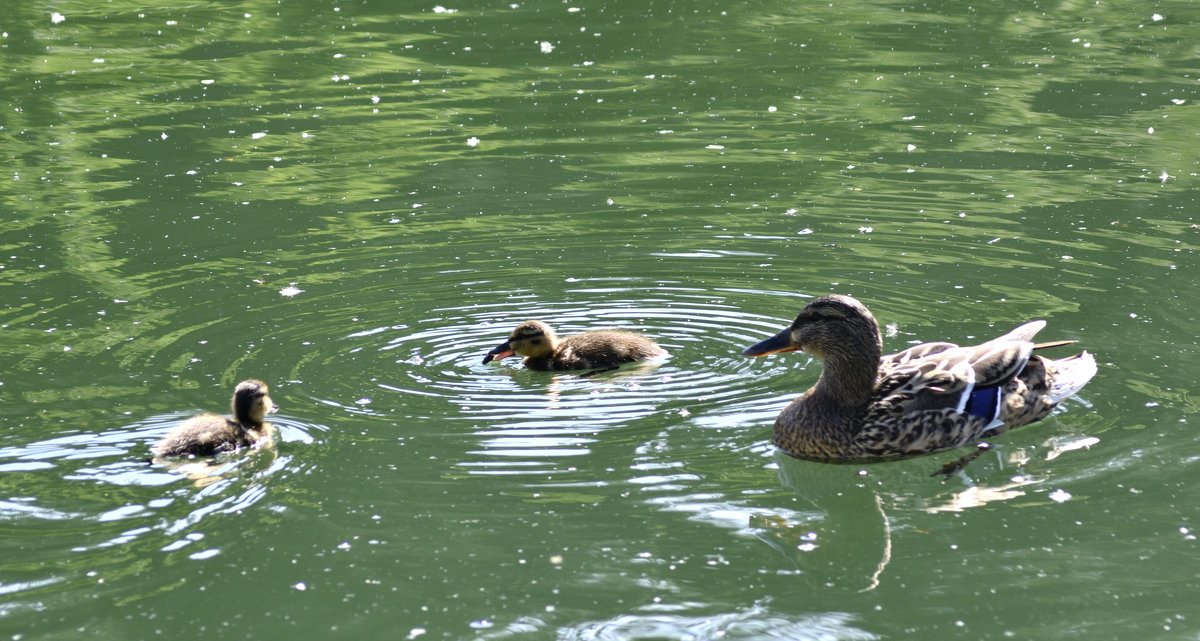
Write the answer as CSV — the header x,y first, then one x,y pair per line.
x,y
354,201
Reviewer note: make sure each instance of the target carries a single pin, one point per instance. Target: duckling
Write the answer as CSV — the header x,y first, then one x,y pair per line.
x,y
928,398
209,434
601,350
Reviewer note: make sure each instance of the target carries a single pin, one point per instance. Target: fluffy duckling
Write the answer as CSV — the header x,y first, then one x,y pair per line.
x,y
599,350
209,434
928,398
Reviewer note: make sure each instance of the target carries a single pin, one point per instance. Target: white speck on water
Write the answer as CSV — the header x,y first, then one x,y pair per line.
x,y
714,146
866,230
472,141
207,81
300,586
57,17
97,60
1060,496
546,47
414,633
440,9
1156,17
804,232
911,147
163,135
909,118
1178,101
258,134
291,290
374,100
772,109
1149,130
891,330
363,401
205,554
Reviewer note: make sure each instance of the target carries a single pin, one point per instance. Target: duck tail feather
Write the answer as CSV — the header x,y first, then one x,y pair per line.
x,y
1069,375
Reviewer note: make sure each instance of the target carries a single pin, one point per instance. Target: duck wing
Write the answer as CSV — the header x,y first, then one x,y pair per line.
x,y
943,376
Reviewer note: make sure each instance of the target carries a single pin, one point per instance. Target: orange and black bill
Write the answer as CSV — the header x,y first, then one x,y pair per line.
x,y
504,350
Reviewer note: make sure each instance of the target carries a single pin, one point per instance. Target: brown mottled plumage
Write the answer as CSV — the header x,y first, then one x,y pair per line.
x,y
209,434
928,398
603,349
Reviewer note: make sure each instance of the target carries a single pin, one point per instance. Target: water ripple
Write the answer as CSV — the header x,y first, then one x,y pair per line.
x,y
527,419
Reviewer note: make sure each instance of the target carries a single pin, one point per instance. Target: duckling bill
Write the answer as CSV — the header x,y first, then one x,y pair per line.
x,y
543,350
928,398
209,434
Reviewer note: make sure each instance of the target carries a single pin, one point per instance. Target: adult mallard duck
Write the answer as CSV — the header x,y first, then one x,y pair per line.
x,y
599,350
209,434
928,398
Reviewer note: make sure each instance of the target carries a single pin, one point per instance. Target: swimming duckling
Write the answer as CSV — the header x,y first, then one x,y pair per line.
x,y
928,398
601,350
209,434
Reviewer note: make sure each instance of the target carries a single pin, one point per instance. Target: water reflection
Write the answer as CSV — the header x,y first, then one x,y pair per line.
x,y
357,203
757,622
126,502
525,419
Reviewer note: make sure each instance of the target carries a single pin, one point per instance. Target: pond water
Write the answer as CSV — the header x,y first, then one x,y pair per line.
x,y
355,201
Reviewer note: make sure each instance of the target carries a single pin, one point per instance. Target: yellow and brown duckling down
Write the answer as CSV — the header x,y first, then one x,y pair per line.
x,y
928,398
209,434
543,350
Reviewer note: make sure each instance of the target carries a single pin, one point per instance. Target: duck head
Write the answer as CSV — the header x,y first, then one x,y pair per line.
x,y
252,403
828,326
533,338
